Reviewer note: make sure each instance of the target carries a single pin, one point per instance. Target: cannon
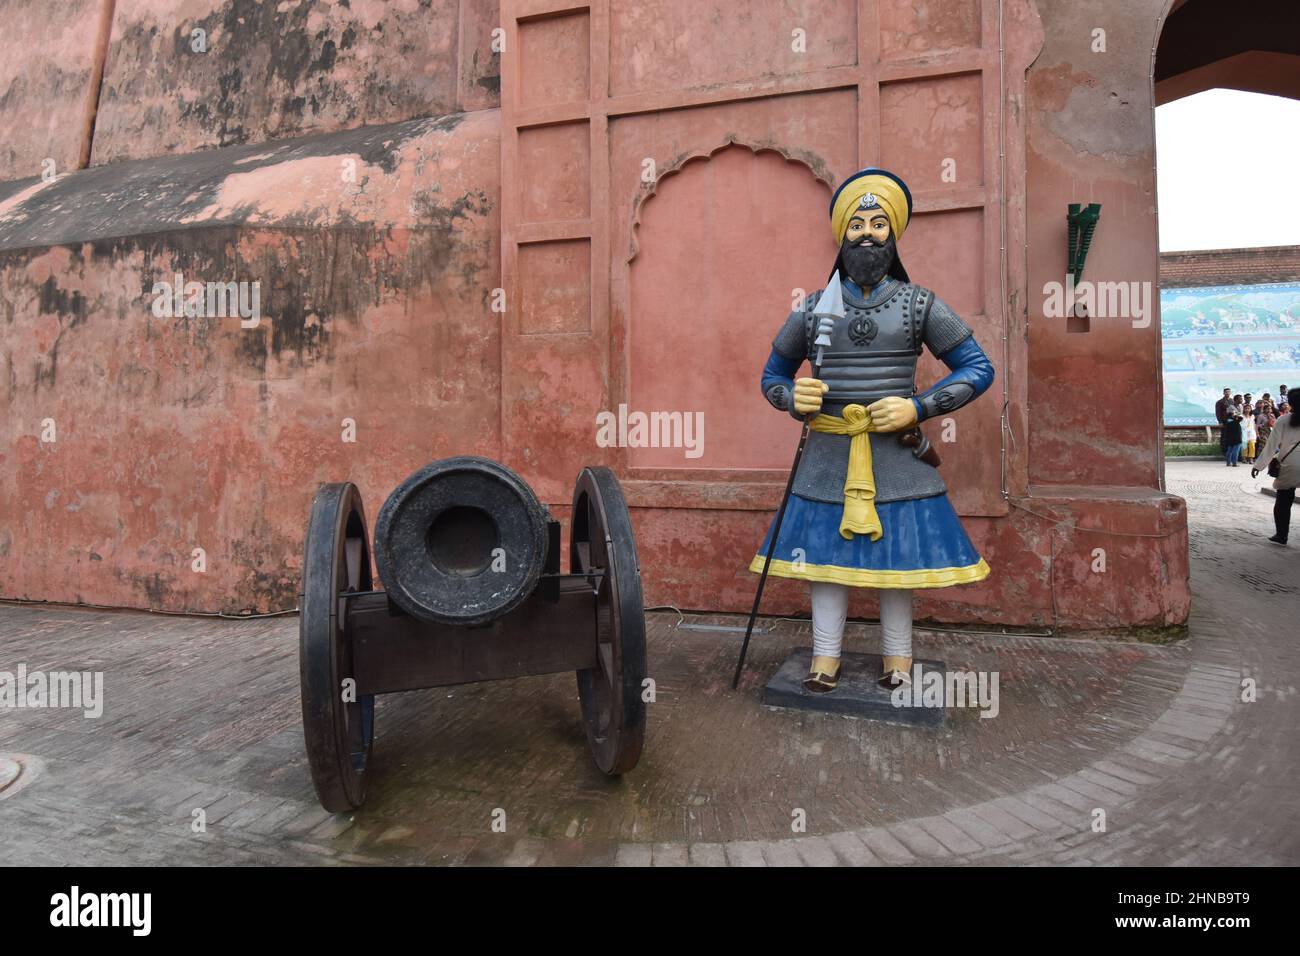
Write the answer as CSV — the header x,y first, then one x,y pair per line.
x,y
470,562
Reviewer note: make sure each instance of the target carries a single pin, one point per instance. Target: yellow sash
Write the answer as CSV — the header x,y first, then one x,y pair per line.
x,y
860,486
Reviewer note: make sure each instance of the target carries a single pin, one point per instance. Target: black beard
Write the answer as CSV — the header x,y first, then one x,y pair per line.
x,y
867,263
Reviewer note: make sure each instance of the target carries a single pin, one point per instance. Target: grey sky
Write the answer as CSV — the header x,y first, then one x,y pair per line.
x,y
1238,152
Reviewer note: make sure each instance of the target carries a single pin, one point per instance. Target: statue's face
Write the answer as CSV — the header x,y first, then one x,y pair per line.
x,y
868,248
868,222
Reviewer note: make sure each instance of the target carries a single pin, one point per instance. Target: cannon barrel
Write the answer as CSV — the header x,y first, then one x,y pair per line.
x,y
461,541
470,562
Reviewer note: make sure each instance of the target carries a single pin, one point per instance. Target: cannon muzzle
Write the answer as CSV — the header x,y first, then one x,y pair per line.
x,y
461,541
472,592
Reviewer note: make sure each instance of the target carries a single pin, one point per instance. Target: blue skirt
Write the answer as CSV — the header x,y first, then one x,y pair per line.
x,y
923,546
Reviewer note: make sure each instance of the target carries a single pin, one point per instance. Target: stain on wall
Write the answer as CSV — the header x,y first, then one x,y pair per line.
x,y
198,74
47,57
182,432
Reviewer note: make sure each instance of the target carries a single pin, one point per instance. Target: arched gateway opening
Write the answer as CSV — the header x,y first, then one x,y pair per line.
x,y
1251,45
1230,290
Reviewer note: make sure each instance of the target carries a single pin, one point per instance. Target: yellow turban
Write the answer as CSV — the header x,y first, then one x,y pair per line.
x,y
877,187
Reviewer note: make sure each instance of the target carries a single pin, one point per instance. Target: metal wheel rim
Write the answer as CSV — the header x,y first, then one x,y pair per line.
x,y
339,734
601,541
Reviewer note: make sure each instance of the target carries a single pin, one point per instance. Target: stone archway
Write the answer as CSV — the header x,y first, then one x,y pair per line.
x,y
1251,45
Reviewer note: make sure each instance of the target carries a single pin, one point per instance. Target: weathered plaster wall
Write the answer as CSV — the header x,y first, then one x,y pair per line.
x,y
259,70
47,69
272,70
181,433
1091,139
177,433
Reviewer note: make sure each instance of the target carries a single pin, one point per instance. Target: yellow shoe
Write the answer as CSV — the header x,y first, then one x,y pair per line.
x,y
823,676
895,671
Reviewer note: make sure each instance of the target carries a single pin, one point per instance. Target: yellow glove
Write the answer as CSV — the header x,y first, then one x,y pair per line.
x,y
891,414
808,394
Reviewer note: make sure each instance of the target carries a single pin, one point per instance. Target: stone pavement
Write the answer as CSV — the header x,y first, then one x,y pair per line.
x,y
204,713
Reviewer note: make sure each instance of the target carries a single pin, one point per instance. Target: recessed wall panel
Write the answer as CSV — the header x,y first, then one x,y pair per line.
x,y
663,44
555,172
555,286
917,27
931,131
555,60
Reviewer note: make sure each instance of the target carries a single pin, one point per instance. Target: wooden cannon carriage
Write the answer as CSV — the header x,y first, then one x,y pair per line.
x,y
470,560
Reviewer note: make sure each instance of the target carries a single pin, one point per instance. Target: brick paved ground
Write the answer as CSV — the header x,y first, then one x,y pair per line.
x,y
204,713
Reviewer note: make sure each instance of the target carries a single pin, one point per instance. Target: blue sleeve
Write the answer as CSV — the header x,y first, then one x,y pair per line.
x,y
778,381
972,374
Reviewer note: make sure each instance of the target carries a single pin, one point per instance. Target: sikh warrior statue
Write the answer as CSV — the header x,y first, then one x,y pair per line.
x,y
868,507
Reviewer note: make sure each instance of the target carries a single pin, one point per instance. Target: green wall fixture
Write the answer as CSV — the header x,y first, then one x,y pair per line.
x,y
1082,222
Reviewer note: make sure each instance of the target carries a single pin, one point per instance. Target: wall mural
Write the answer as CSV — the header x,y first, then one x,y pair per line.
x,y
1243,337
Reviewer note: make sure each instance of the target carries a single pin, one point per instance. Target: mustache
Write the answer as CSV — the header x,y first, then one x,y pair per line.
x,y
866,241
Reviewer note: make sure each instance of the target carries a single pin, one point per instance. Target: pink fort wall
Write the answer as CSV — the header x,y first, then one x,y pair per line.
x,y
643,184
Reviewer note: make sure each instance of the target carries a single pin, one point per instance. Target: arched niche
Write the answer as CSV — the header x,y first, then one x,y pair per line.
x,y
723,246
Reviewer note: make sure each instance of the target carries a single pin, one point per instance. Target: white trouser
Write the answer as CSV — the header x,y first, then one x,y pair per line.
x,y
830,606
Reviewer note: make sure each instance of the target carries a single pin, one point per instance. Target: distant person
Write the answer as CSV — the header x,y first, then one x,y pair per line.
x,y
1236,403
1230,438
1281,396
1282,444
1248,436
1263,423
1222,405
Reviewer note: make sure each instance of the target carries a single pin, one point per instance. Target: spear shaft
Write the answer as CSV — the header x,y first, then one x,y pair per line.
x,y
776,531
830,306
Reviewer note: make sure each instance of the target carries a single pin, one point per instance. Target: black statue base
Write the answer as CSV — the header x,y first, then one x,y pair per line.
x,y
858,694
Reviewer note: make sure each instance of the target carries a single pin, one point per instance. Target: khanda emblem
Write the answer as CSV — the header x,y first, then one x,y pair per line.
x,y
862,330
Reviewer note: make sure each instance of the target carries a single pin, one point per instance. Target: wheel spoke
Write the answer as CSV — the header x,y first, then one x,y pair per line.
x,y
352,557
596,533
606,654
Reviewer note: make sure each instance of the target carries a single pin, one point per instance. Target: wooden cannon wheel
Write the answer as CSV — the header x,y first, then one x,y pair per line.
x,y
601,546
339,728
